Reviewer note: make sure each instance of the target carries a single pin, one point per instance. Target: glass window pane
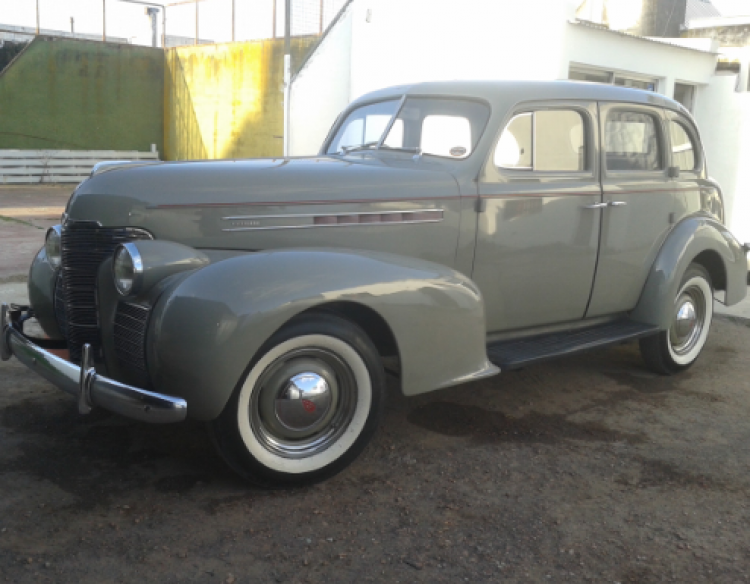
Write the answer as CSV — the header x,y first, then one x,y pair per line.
x,y
363,125
649,85
395,137
590,75
632,142
513,150
446,136
683,152
559,141
440,126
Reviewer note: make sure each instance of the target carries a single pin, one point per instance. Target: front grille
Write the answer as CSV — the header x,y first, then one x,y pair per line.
x,y
131,321
59,304
84,246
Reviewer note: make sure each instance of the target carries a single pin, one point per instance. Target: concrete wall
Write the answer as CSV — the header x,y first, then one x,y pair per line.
x,y
82,95
226,101
321,89
726,139
728,36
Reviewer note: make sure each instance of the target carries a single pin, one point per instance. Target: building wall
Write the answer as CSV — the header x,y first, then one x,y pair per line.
x,y
321,89
392,42
226,101
82,95
726,139
607,50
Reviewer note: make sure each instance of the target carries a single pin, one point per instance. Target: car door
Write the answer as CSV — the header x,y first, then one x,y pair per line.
x,y
537,237
640,204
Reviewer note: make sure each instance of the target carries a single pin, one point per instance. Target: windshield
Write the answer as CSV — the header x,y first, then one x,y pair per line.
x,y
437,126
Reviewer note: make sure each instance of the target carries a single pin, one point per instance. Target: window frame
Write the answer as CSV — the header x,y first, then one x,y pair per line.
x,y
692,132
661,139
402,99
497,174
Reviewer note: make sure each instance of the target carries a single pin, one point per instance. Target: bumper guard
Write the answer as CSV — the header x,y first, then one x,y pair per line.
x,y
84,383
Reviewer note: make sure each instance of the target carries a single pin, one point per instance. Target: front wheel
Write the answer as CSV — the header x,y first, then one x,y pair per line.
x,y
678,347
309,404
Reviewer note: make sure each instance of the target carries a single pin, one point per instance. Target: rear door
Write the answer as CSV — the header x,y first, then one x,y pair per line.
x,y
537,235
640,204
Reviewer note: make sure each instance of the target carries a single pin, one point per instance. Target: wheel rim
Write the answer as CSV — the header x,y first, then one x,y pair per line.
x,y
304,402
689,320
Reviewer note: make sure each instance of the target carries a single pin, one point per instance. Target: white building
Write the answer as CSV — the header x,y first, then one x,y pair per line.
x,y
379,43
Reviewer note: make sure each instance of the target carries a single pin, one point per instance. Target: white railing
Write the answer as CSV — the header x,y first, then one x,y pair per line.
x,y
58,166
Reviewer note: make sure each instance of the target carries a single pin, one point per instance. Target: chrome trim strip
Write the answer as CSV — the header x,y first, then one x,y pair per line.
x,y
304,215
314,216
90,388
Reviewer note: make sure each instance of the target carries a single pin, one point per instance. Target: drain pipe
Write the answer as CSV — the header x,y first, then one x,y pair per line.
x,y
287,70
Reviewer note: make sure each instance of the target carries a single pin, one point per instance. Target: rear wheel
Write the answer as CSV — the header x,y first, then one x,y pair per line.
x,y
308,406
678,347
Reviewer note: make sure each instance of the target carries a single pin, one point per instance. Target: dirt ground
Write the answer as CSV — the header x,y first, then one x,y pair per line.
x,y
587,469
584,469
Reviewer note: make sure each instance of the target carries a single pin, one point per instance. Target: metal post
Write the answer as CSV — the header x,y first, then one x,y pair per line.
x,y
321,16
274,19
37,17
164,27
104,20
196,22
72,26
232,20
287,70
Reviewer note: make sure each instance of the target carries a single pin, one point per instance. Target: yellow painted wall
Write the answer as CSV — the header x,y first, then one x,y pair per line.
x,y
226,101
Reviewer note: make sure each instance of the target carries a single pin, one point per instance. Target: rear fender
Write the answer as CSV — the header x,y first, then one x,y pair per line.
x,y
690,238
205,332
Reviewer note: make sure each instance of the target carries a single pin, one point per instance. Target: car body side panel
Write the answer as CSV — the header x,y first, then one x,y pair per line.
x,y
687,240
205,332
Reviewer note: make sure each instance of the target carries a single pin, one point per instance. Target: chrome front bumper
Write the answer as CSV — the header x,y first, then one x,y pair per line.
x,y
84,383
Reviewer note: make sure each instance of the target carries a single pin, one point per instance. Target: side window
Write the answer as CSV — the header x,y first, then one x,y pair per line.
x,y
683,150
546,140
632,142
446,136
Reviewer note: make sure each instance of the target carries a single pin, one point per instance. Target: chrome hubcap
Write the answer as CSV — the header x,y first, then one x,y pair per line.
x,y
688,322
303,403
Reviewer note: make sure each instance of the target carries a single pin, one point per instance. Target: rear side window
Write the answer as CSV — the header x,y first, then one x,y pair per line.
x,y
632,142
546,140
683,150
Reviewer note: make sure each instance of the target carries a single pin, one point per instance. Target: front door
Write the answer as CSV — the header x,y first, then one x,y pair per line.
x,y
538,226
640,204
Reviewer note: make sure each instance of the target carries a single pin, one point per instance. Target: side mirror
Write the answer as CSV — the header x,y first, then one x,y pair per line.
x,y
674,172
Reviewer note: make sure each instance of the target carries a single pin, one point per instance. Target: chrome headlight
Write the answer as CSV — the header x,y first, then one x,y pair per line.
x,y
127,269
53,245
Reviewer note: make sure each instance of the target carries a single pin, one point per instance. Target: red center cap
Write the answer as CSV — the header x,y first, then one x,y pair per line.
x,y
308,405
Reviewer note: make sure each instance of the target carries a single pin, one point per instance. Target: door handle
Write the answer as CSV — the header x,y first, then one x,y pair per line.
x,y
596,206
617,203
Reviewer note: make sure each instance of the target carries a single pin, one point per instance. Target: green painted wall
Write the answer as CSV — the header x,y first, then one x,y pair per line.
x,y
226,101
83,95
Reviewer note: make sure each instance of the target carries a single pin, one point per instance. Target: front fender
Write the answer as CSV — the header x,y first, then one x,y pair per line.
x,y
41,287
687,240
206,331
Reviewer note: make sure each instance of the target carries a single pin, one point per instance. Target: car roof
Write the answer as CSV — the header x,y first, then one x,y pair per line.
x,y
516,91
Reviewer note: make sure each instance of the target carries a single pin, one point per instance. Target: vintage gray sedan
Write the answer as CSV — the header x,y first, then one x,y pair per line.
x,y
445,232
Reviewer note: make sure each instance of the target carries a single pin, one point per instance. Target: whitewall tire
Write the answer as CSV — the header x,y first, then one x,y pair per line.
x,y
678,347
307,406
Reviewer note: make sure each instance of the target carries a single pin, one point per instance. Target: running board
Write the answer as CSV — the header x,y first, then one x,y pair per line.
x,y
519,353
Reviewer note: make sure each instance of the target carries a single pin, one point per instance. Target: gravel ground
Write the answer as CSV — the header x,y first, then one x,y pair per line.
x,y
583,469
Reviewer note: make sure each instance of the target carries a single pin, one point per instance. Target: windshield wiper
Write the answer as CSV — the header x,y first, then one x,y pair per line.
x,y
365,146
413,149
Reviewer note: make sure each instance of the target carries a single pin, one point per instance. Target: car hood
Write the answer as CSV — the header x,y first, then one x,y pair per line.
x,y
185,201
